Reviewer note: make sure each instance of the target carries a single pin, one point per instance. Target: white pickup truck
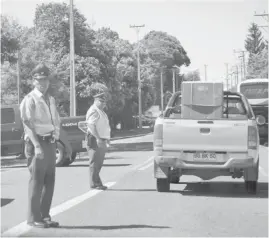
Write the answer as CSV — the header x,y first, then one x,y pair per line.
x,y
207,148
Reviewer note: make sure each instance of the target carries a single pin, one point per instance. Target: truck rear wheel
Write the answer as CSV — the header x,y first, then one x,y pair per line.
x,y
163,185
251,186
60,159
251,183
67,161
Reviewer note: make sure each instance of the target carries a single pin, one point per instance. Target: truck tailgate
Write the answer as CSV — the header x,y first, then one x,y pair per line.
x,y
194,135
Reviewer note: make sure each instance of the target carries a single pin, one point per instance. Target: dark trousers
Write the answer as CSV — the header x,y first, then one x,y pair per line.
x,y
42,179
96,160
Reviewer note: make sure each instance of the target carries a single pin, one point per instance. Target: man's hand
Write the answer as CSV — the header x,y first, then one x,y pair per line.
x,y
39,154
101,143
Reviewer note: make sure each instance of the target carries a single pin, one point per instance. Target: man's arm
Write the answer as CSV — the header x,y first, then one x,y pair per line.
x,y
91,120
27,108
57,120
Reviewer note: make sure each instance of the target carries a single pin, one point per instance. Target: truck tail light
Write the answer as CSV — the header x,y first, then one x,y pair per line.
x,y
158,138
252,138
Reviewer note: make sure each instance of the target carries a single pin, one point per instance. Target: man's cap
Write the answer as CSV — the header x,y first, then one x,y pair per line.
x,y
41,71
100,96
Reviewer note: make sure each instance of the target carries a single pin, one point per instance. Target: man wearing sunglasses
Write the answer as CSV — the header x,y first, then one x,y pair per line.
x,y
98,137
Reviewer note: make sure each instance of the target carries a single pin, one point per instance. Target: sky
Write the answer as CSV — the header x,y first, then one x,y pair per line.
x,y
209,30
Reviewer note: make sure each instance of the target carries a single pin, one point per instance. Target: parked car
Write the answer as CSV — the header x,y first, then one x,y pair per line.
x,y
228,146
256,91
12,142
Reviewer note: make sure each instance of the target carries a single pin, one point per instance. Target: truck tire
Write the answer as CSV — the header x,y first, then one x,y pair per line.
x,y
60,159
67,161
163,185
251,185
174,179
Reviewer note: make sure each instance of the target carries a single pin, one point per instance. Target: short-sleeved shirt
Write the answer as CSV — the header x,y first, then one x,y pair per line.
x,y
40,113
98,117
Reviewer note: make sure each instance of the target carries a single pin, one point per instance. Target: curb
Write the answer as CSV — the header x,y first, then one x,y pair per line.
x,y
126,137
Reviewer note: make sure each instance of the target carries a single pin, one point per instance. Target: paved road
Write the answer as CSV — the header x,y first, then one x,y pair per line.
x,y
132,207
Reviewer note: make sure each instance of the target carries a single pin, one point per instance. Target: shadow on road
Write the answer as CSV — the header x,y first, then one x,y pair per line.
x,y
222,189
5,201
104,165
139,146
113,227
211,189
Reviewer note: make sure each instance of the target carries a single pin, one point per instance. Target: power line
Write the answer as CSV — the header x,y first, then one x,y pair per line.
x,y
137,28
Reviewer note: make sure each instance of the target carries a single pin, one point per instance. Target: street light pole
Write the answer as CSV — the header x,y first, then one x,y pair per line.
x,y
162,90
174,81
138,76
18,77
72,64
227,75
205,72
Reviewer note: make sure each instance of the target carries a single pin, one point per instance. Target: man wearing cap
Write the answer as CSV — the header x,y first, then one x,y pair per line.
x,y
41,123
99,136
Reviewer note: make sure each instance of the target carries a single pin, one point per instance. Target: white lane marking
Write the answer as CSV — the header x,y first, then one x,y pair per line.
x,y
263,171
147,166
9,169
141,165
23,227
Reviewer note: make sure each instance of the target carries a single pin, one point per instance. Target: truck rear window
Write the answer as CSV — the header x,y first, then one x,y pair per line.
x,y
235,108
7,115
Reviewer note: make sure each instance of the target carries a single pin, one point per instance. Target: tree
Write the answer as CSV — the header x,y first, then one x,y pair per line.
x,y
53,20
192,76
254,43
258,65
258,53
10,39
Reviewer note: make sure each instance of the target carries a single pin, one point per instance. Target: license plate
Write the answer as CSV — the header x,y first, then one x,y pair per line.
x,y
204,156
84,144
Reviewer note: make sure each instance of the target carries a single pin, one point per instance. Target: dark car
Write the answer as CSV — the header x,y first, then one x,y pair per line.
x,y
12,142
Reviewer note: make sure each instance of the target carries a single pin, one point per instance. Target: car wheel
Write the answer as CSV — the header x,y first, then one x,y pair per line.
x,y
174,179
163,185
60,159
71,160
251,186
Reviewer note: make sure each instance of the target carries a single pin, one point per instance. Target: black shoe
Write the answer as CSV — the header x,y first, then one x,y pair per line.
x,y
50,223
99,187
38,224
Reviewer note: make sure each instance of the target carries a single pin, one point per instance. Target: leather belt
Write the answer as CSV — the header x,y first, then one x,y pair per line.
x,y
48,138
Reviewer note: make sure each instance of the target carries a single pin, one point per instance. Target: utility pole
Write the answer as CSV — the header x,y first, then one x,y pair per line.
x,y
243,63
18,77
162,90
137,28
237,74
227,76
174,80
72,64
266,17
205,72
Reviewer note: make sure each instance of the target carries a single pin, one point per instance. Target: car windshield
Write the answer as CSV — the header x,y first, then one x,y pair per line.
x,y
255,90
